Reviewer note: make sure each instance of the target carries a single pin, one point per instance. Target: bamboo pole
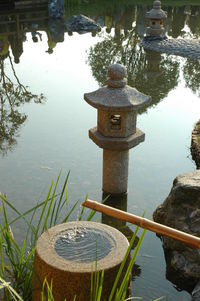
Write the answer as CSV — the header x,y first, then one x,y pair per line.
x,y
144,223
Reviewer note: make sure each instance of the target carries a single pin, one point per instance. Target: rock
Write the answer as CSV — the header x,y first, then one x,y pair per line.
x,y
82,24
196,293
56,9
181,211
189,48
195,144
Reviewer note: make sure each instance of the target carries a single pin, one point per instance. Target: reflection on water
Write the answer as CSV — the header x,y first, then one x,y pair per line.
x,y
57,135
151,73
191,73
120,202
125,26
13,94
15,25
178,280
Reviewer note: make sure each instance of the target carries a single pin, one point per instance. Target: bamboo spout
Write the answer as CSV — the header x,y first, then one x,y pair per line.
x,y
144,223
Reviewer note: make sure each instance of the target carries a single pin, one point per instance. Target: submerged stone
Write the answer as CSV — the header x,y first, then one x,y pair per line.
x,y
82,24
181,211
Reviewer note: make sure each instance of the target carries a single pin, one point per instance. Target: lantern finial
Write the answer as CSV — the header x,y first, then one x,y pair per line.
x,y
117,76
157,4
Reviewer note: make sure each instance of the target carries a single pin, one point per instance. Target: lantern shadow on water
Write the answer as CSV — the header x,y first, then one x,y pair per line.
x,y
157,18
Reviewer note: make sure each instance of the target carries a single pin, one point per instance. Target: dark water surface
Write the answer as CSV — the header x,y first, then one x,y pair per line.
x,y
39,137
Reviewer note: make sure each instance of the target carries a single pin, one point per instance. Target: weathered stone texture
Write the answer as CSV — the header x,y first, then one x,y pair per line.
x,y
115,163
115,143
183,47
73,277
195,144
116,132
181,210
81,24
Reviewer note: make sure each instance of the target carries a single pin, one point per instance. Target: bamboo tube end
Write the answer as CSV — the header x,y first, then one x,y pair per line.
x,y
89,204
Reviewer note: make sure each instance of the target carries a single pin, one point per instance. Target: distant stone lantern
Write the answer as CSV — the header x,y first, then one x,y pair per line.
x,y
116,131
157,18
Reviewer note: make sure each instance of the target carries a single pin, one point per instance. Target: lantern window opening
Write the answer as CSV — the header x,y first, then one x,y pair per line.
x,y
115,122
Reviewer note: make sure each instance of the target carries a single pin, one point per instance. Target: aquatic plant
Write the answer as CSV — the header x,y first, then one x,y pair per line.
x,y
17,258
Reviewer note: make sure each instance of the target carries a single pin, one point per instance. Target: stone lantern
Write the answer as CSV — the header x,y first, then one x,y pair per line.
x,y
156,18
116,131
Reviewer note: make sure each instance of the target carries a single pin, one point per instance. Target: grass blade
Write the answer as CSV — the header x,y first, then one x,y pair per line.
x,y
122,265
2,268
13,293
130,266
100,287
61,196
43,211
50,206
70,212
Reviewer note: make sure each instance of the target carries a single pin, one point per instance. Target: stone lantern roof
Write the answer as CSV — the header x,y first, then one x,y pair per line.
x,y
156,12
117,95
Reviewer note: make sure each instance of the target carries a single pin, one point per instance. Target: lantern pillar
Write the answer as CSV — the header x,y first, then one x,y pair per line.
x,y
115,171
116,131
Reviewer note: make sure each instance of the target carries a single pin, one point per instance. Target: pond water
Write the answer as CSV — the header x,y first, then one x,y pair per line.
x,y
38,140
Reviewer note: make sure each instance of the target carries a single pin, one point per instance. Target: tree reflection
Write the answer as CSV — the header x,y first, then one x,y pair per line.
x,y
191,73
149,72
177,19
12,96
194,21
157,75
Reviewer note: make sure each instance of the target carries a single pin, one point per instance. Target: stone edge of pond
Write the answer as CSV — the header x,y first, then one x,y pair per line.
x,y
189,48
195,144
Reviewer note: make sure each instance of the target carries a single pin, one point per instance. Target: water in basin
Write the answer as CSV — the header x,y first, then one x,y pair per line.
x,y
84,244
